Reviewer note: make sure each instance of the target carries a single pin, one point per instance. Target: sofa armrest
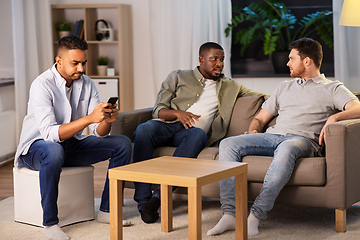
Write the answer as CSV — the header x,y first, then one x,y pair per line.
x,y
343,163
128,121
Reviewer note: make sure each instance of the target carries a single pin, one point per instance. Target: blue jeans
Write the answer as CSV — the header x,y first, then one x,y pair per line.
x,y
284,149
49,157
153,134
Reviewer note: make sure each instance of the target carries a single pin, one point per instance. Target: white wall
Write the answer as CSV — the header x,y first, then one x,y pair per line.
x,y
6,47
265,85
7,95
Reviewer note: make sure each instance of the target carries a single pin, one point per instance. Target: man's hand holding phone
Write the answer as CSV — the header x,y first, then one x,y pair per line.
x,y
105,111
112,101
111,110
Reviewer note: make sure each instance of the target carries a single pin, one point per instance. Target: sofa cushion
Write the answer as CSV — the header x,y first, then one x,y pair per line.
x,y
210,153
163,151
244,111
307,171
128,121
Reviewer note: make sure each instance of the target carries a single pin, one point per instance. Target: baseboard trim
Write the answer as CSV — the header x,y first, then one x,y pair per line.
x,y
7,158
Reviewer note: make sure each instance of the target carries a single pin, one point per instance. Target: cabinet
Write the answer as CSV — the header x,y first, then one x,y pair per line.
x,y
119,51
106,88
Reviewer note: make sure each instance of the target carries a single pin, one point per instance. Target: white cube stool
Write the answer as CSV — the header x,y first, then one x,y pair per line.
x,y
75,200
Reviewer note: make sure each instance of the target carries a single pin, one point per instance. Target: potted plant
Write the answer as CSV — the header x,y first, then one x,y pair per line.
x,y
64,28
277,27
102,66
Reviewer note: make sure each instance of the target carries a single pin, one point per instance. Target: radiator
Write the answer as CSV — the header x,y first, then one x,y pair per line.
x,y
7,131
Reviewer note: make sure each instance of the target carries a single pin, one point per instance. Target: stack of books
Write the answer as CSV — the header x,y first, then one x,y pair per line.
x,y
79,29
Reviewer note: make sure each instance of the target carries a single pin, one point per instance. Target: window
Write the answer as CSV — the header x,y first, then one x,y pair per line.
x,y
255,64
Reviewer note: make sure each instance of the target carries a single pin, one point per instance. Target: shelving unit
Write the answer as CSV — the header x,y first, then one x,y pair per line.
x,y
119,51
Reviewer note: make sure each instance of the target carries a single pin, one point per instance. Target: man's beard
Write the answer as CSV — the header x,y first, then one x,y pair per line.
x,y
298,73
215,77
77,77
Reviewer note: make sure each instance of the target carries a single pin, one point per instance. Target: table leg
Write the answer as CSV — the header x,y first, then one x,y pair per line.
x,y
116,215
166,208
194,212
241,206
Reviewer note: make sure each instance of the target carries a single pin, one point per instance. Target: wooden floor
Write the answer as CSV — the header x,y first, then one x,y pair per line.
x,y
7,187
6,180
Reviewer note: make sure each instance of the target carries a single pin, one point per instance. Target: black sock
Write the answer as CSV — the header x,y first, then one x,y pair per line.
x,y
149,209
152,205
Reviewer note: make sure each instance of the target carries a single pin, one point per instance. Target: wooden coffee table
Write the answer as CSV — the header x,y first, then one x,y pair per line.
x,y
183,172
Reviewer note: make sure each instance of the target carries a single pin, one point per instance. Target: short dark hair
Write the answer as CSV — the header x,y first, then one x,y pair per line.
x,y
71,42
207,46
308,47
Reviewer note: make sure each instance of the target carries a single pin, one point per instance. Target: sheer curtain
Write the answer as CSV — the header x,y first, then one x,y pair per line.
x,y
347,51
32,43
179,27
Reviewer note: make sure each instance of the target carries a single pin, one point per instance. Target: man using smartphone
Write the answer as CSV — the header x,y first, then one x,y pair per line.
x,y
62,103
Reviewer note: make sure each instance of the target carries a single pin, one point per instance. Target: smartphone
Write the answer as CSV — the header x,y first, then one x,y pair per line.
x,y
112,100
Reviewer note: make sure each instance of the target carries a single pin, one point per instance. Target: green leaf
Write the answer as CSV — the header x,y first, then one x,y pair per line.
x,y
274,24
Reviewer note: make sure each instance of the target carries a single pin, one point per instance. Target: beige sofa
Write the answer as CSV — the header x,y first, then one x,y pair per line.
x,y
331,181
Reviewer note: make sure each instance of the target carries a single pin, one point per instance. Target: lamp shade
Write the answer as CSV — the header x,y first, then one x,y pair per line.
x,y
350,13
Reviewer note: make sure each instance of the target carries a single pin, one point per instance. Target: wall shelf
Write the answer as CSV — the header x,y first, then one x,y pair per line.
x,y
119,51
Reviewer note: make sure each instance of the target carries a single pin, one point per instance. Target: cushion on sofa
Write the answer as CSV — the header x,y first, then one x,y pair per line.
x,y
307,171
244,111
128,121
163,151
210,153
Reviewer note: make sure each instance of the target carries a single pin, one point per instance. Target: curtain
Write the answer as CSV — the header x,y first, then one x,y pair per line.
x,y
346,51
179,27
32,45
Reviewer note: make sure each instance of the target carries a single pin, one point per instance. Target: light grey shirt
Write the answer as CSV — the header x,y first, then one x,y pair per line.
x,y
303,107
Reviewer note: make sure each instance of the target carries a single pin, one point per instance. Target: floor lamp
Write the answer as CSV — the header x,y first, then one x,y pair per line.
x,y
350,13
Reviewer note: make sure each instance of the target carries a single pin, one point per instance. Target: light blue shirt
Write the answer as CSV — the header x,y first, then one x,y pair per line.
x,y
49,107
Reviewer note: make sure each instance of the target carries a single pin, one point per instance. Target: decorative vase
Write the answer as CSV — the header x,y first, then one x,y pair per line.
x,y
279,61
102,70
63,34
